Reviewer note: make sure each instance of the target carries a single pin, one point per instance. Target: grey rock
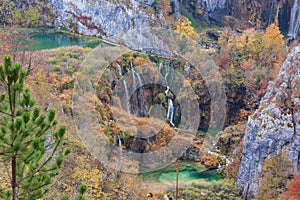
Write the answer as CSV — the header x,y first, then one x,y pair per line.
x,y
101,17
274,127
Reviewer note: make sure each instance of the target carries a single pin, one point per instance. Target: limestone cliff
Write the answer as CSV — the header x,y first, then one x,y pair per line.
x,y
247,13
101,17
274,127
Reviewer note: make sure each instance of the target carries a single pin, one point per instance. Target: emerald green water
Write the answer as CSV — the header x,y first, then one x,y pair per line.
x,y
54,40
189,174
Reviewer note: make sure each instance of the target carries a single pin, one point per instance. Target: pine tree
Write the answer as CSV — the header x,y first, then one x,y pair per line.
x,y
30,141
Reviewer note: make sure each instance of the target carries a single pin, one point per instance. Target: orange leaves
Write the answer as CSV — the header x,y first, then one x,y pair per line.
x,y
274,43
273,32
14,43
294,191
166,9
140,61
225,61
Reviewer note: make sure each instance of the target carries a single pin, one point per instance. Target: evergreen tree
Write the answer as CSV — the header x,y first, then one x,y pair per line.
x,y
30,142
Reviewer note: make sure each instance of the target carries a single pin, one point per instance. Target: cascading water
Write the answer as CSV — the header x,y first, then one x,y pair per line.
x,y
135,94
187,67
120,144
142,103
139,102
294,19
126,89
271,12
159,67
167,73
170,111
177,7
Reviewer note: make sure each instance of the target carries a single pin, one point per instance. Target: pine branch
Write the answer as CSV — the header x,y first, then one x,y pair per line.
x,y
7,171
40,168
37,188
5,113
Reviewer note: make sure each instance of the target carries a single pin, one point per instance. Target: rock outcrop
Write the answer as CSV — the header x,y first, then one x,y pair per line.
x,y
246,13
100,18
274,127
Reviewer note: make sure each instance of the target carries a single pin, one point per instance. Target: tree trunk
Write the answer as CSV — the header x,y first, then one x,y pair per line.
x,y
177,173
14,178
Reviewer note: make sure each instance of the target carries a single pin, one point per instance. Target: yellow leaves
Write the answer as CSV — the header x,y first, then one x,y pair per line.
x,y
32,17
4,178
265,48
184,26
273,32
273,38
224,37
85,172
140,61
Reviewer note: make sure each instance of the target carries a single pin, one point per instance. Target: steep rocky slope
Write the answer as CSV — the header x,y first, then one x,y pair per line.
x,y
113,17
100,17
247,13
274,127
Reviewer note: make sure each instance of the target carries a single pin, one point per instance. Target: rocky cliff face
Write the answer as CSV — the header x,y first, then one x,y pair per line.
x,y
101,17
274,127
246,13
261,13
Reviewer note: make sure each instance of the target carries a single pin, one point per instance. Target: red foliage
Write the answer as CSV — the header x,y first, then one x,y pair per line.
x,y
224,61
86,21
247,65
271,98
264,84
15,43
294,191
166,9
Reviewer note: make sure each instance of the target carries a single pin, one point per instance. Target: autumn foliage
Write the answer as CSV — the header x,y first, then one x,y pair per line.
x,y
15,43
166,9
251,57
275,172
294,191
184,27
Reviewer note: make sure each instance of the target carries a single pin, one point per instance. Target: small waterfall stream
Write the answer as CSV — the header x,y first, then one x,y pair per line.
x,y
170,112
125,88
137,86
271,12
135,94
177,8
142,101
159,67
120,145
294,19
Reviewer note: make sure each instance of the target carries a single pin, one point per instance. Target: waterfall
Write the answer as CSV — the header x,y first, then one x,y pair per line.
x,y
139,102
120,145
187,67
213,5
125,88
170,111
167,73
177,8
135,94
159,67
294,20
271,12
142,103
